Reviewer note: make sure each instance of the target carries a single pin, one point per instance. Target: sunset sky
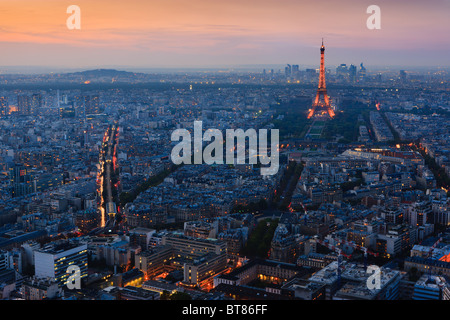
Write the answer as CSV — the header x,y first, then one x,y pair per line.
x,y
215,33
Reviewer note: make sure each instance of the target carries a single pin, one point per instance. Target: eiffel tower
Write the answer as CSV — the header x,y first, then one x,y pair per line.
x,y
321,104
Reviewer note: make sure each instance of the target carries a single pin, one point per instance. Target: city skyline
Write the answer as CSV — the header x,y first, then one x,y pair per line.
x,y
212,34
224,153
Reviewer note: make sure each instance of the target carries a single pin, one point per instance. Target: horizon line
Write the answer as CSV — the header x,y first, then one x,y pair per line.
x,y
6,70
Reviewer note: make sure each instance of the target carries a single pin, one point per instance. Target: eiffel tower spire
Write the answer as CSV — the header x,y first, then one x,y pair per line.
x,y
322,101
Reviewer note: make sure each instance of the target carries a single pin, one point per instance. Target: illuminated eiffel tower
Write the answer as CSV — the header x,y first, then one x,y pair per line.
x,y
321,104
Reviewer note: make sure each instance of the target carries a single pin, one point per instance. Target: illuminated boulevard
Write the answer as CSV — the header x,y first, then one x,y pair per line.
x,y
108,179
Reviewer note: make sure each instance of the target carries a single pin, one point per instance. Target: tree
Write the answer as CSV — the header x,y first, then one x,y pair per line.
x,y
165,295
260,239
413,274
180,296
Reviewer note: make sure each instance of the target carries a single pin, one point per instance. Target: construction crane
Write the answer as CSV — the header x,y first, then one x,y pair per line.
x,y
430,252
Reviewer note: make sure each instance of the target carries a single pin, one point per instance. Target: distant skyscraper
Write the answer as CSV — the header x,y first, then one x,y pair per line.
x,y
288,71
362,72
92,104
352,73
35,104
29,105
23,104
342,70
295,71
